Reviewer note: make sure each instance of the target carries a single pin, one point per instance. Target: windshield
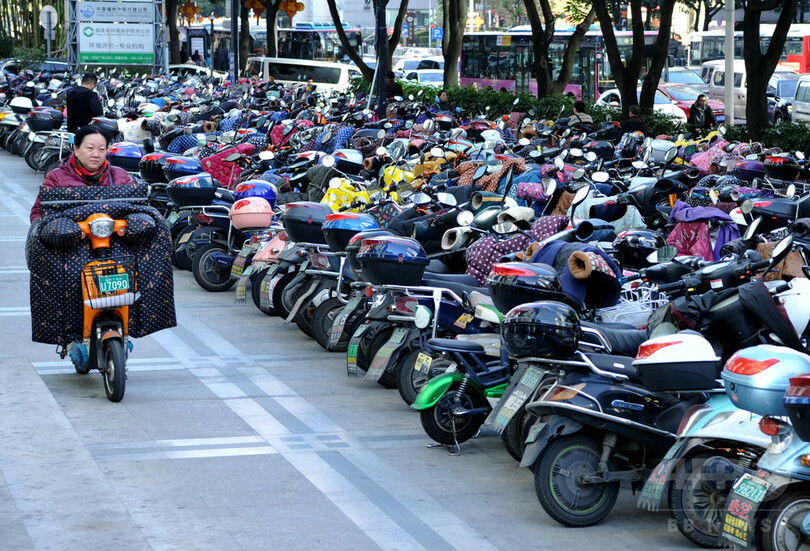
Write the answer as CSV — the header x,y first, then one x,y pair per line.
x,y
685,77
786,88
683,93
660,97
431,77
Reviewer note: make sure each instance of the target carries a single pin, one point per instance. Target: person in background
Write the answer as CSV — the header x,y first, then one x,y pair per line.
x,y
392,87
634,122
580,117
183,54
82,103
272,84
701,116
442,104
87,166
196,57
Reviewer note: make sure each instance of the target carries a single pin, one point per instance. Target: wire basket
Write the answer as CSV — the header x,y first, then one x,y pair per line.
x,y
634,307
111,283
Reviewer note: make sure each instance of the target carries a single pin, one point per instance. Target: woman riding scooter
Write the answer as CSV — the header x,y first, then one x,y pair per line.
x,y
87,166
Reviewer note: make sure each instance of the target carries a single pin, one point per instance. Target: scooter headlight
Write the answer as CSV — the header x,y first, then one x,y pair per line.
x,y
102,227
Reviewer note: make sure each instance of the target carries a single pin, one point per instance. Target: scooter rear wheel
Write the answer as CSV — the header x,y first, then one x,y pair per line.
x,y
114,370
207,273
784,519
322,321
438,420
557,481
697,503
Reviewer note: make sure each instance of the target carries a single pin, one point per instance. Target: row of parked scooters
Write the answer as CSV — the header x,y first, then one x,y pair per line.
x,y
618,309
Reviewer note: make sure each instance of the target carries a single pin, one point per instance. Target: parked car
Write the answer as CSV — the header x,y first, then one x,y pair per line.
x,y
781,89
434,77
684,75
191,70
684,95
716,72
405,66
662,104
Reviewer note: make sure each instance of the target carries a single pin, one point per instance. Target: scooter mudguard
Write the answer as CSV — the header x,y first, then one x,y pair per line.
x,y
437,387
721,423
543,432
495,392
311,288
391,352
224,260
341,320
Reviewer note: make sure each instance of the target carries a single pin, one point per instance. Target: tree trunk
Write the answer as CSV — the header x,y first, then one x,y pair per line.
x,y
571,49
174,35
244,36
393,42
659,60
368,73
759,66
272,27
625,76
456,12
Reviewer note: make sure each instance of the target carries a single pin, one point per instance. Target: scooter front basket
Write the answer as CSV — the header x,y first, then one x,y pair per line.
x,y
110,283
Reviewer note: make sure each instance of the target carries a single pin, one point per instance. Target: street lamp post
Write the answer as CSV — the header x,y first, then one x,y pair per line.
x,y
382,42
211,47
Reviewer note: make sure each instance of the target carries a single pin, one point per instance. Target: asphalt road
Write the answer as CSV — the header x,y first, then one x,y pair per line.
x,y
238,432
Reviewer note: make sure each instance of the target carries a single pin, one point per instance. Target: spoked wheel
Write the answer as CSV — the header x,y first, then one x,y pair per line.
x,y
114,370
207,272
558,481
697,502
445,418
784,520
322,321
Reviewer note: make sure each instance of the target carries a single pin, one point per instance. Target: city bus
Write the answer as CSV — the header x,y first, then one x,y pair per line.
x,y
506,60
316,41
708,46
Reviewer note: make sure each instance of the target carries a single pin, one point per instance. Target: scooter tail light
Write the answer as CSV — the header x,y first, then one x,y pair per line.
x,y
506,270
319,261
799,387
369,291
405,304
747,366
771,426
647,350
204,219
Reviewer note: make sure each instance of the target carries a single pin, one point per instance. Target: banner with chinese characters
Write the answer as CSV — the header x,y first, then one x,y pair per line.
x,y
109,44
120,12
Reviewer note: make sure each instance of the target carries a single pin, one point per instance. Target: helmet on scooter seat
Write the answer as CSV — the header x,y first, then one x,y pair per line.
x,y
634,246
256,188
251,212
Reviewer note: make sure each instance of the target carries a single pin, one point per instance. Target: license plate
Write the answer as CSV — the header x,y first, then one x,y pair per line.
x,y
340,321
751,488
383,356
183,238
423,362
173,217
236,271
113,283
517,394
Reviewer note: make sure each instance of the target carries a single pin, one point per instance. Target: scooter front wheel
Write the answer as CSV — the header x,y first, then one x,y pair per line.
x,y
784,521
561,490
446,423
114,370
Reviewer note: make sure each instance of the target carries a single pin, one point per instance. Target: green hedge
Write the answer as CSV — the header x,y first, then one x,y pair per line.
x,y
788,136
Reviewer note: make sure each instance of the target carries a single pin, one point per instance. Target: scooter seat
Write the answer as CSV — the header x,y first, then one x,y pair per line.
x,y
477,297
452,344
224,194
463,279
615,364
623,342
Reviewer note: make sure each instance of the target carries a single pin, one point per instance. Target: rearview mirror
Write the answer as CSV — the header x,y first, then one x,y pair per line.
x,y
663,254
329,161
751,230
465,218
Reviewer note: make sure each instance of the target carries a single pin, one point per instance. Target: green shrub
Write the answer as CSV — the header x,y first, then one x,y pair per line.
x,y
29,57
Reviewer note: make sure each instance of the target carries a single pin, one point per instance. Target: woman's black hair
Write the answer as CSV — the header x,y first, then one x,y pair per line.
x,y
88,130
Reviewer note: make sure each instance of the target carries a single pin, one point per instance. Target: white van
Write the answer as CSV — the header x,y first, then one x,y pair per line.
x,y
801,100
714,72
326,76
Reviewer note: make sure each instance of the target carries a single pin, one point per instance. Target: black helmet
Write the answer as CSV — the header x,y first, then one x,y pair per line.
x,y
634,246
